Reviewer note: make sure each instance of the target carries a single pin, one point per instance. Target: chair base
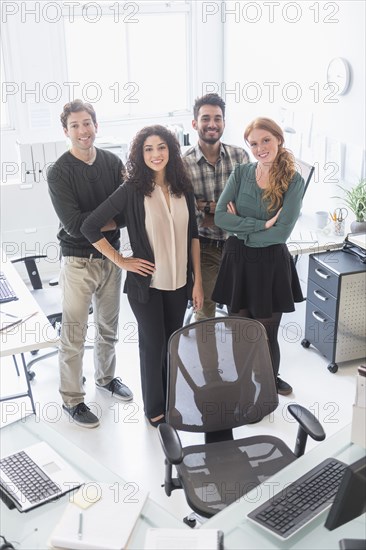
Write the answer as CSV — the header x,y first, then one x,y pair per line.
x,y
221,311
193,519
32,374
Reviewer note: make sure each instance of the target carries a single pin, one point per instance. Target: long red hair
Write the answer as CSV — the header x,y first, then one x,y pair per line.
x,y
282,170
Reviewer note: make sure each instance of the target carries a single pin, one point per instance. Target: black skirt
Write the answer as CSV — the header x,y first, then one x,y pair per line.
x,y
262,280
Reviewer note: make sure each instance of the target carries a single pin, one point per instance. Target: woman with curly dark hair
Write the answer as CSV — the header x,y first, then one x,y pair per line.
x,y
259,208
157,205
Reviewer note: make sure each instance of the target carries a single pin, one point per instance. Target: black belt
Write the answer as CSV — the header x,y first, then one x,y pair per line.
x,y
95,255
212,242
91,256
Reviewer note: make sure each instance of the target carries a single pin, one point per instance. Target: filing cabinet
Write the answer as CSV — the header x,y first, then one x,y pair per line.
x,y
336,307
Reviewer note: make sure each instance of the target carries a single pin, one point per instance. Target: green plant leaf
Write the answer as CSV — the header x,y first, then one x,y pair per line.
x,y
355,199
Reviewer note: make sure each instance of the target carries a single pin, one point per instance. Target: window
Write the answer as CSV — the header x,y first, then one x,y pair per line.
x,y
4,113
133,60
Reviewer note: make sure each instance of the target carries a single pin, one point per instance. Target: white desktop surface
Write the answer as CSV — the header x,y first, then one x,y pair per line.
x,y
324,238
36,332
32,530
241,533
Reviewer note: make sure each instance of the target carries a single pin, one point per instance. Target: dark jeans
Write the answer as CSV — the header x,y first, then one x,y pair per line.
x,y
162,315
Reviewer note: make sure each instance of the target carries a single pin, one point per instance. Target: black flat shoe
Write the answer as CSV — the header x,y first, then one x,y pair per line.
x,y
283,388
155,423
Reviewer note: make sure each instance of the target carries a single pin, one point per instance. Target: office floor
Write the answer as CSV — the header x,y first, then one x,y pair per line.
x,y
128,445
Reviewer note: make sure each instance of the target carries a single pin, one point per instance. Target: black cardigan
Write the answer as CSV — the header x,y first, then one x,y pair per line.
x,y
129,202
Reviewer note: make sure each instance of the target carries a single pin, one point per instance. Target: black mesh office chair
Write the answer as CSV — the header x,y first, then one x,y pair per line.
x,y
220,377
48,299
221,311
306,170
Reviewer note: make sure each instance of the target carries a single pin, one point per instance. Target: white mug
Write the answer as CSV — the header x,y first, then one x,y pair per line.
x,y
322,219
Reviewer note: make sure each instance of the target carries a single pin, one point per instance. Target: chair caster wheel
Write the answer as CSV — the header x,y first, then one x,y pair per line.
x,y
305,343
333,367
31,375
190,522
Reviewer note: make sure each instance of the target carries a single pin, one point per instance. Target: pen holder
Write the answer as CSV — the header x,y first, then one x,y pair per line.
x,y
338,228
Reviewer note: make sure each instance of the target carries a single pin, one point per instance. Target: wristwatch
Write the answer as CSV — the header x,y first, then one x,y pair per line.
x,y
207,207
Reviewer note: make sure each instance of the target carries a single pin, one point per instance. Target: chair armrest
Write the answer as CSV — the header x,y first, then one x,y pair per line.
x,y
30,257
171,443
308,425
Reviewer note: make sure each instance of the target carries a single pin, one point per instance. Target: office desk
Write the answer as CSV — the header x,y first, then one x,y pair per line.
x,y
300,243
242,534
32,530
35,333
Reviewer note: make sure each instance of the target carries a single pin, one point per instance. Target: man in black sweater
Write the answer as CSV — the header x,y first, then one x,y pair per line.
x,y
78,182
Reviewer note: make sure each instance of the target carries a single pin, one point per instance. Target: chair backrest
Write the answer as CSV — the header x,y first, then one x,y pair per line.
x,y
32,269
306,170
220,375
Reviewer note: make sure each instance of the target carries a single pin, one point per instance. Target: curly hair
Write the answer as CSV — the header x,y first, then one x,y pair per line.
x,y
142,176
77,106
282,170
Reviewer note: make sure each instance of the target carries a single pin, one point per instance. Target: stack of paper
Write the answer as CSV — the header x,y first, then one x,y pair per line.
x,y
101,517
359,239
303,236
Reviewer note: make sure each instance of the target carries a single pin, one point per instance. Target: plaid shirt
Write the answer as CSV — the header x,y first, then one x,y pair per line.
x,y
209,181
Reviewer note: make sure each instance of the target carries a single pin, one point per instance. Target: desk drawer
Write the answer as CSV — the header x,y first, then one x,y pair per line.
x,y
320,330
324,301
323,276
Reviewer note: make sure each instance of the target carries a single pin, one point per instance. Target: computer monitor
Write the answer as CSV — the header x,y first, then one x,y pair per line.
x,y
349,502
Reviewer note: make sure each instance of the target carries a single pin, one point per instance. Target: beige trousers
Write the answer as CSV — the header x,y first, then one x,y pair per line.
x,y
84,281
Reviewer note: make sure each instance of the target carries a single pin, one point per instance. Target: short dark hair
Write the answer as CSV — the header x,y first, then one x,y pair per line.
x,y
209,99
75,107
142,176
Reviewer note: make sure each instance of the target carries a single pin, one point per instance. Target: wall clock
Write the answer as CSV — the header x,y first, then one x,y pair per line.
x,y
339,72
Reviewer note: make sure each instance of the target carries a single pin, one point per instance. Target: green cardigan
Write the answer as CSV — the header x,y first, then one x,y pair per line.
x,y
249,224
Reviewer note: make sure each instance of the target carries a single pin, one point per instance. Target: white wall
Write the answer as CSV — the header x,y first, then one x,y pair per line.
x,y
280,51
229,52
35,57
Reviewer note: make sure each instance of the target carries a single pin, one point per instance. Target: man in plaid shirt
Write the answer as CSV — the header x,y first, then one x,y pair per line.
x,y
209,165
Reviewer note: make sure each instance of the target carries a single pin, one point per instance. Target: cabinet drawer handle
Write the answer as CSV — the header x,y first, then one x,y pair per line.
x,y
321,274
318,317
320,296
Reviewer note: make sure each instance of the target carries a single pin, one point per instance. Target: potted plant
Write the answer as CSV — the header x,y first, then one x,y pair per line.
x,y
355,199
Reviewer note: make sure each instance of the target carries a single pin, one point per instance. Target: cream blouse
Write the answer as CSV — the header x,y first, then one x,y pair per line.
x,y
167,230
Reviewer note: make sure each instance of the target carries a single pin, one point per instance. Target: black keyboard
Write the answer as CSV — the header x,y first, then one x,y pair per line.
x,y
300,502
29,479
7,294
